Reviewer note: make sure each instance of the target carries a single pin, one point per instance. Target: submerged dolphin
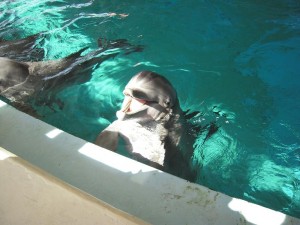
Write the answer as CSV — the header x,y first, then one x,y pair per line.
x,y
22,49
42,80
150,125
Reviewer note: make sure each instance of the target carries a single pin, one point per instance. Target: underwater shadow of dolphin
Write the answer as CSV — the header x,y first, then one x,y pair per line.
x,y
21,81
150,126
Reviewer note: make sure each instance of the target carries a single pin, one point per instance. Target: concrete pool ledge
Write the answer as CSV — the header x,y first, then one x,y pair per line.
x,y
31,196
72,181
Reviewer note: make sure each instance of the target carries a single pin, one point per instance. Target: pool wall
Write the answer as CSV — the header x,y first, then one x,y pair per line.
x,y
107,185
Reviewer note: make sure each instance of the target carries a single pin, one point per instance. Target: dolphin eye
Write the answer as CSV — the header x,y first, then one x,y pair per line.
x,y
167,103
139,94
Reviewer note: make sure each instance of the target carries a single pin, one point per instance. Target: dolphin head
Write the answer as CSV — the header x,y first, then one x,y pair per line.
x,y
148,95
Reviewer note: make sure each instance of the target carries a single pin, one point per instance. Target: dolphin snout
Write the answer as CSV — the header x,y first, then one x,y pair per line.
x,y
131,104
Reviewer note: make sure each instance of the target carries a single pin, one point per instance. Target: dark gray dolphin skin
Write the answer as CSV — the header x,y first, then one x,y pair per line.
x,y
42,80
22,49
150,125
21,81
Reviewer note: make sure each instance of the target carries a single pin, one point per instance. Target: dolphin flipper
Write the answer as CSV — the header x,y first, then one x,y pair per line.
x,y
108,138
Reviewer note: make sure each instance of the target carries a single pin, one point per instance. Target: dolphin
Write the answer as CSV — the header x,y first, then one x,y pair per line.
x,y
22,81
42,80
23,49
149,125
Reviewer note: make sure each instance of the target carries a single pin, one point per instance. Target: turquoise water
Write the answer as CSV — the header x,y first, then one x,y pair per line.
x,y
235,61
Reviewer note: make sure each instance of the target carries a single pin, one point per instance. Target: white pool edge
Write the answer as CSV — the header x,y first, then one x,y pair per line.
x,y
29,195
142,191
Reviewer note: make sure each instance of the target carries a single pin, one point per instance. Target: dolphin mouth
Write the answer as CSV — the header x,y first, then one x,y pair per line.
x,y
132,105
